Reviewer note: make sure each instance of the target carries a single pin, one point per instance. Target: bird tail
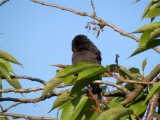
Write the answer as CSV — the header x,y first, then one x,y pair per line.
x,y
96,90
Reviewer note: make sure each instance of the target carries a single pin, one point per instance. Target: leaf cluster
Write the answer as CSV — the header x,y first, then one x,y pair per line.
x,y
150,32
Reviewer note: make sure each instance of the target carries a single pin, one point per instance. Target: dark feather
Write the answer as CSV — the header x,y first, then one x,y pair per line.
x,y
85,51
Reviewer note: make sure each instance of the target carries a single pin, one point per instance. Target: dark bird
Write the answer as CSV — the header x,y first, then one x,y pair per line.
x,y
85,51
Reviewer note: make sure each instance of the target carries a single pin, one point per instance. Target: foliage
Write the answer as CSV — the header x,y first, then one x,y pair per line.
x,y
150,32
135,96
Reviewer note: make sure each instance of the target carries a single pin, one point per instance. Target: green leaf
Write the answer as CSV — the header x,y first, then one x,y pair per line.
x,y
138,108
75,69
146,10
149,45
146,43
134,70
92,115
155,33
0,87
114,105
152,92
13,82
69,80
144,63
148,27
62,99
152,5
72,109
8,57
115,113
124,72
88,72
54,82
153,13
86,77
88,114
7,65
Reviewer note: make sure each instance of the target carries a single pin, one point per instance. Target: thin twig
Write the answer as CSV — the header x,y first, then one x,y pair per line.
x,y
132,81
26,117
93,8
101,21
95,99
22,100
4,1
21,90
121,88
14,105
29,78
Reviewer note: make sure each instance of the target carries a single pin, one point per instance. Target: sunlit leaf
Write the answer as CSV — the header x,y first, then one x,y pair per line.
x,y
146,10
86,77
124,72
86,113
8,57
148,27
115,113
152,92
13,82
61,100
7,64
138,108
152,5
155,33
75,68
134,70
153,13
144,63
88,72
145,43
54,82
72,109
70,80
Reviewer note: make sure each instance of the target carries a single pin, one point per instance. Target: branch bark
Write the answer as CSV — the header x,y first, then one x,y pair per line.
x,y
102,23
4,1
26,117
130,97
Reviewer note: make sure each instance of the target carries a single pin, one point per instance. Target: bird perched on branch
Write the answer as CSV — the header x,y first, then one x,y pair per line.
x,y
85,51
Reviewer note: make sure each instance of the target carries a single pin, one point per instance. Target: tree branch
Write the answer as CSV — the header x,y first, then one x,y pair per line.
x,y
29,78
121,88
22,100
130,97
26,117
4,1
14,105
21,90
152,106
102,23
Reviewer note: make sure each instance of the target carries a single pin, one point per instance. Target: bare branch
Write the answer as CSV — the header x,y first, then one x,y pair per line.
x,y
102,22
29,78
26,117
4,1
140,88
93,8
121,88
22,90
152,106
14,105
132,81
22,100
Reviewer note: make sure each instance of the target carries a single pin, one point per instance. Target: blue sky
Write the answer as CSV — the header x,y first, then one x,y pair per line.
x,y
38,36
